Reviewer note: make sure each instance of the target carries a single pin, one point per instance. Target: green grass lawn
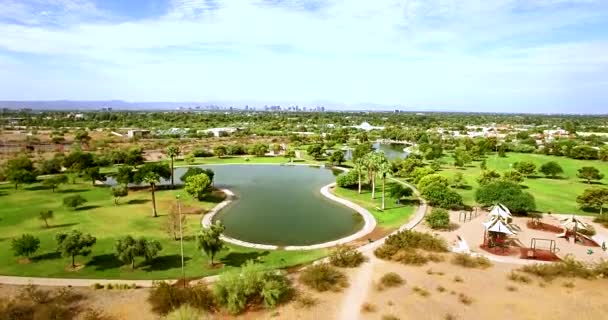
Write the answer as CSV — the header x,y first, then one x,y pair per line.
x,y
100,217
392,217
552,195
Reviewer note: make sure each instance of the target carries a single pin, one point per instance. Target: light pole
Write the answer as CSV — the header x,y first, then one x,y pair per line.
x,y
181,238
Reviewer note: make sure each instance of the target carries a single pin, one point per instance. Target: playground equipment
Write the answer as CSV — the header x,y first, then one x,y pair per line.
x,y
572,226
536,243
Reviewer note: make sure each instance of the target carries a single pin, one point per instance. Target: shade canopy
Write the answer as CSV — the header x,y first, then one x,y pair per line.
x,y
572,221
498,224
501,211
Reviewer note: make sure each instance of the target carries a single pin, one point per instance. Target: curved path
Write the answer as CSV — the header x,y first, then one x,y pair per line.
x,y
368,226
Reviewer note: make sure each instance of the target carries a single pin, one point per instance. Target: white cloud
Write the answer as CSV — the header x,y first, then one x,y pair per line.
x,y
383,51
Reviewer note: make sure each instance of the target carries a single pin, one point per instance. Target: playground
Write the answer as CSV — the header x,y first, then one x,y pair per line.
x,y
547,237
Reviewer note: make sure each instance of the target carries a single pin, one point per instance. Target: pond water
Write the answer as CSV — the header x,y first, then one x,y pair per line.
x,y
281,205
392,150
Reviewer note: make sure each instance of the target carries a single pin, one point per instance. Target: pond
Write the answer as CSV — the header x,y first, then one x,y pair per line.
x,y
391,150
281,205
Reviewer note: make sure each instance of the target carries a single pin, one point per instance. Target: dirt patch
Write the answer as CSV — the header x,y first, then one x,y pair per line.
x,y
376,234
24,261
71,268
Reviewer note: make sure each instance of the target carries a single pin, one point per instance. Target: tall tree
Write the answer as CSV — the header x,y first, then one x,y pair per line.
x,y
290,154
526,168
151,173
198,186
128,248
172,152
74,243
384,168
359,166
551,169
589,173
209,240
54,181
594,198
93,174
20,170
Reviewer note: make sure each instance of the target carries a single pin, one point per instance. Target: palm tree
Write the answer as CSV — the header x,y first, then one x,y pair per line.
x,y
384,169
372,162
172,152
359,166
152,178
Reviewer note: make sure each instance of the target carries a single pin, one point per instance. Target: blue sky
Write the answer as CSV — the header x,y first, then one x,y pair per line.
x,y
463,55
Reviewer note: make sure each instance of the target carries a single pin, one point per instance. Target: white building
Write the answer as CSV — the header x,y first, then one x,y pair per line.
x,y
367,127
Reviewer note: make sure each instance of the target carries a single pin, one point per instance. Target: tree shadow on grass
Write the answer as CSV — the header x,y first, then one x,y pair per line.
x,y
54,226
214,197
84,208
47,256
37,188
70,190
138,201
237,259
593,183
104,262
408,202
165,263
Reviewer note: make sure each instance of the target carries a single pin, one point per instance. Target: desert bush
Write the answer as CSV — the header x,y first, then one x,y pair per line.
x,y
411,257
569,267
421,291
165,298
306,302
409,239
94,314
440,289
97,286
389,317
458,279
464,299
469,261
368,307
324,277
517,277
185,312
391,280
438,219
251,285
346,257
34,303
511,288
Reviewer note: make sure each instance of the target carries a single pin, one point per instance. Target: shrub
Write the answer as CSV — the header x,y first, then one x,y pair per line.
x,y
517,277
442,196
73,201
469,261
324,277
251,285
438,218
440,289
569,267
164,297
421,291
184,312
348,179
306,301
411,257
368,307
97,286
346,257
464,299
409,239
389,317
391,280
458,279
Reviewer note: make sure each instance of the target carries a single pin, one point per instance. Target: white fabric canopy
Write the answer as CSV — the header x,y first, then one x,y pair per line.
x,y
501,227
501,211
572,221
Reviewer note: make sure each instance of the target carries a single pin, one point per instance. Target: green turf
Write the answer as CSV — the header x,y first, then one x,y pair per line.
x,y
552,195
100,217
393,216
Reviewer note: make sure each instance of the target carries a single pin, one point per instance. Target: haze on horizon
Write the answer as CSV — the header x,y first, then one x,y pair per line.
x,y
460,55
